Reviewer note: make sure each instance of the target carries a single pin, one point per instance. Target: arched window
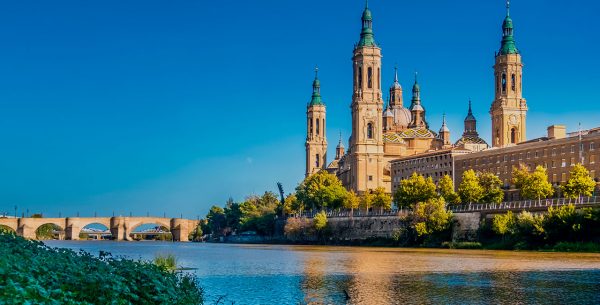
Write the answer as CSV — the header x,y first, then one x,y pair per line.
x,y
503,82
323,126
513,135
498,138
370,131
378,78
370,78
310,128
360,78
513,83
317,126
317,160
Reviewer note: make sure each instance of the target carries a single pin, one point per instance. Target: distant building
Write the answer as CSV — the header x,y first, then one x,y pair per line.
x,y
435,164
557,152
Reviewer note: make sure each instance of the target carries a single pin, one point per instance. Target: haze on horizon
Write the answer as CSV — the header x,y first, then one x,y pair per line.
x,y
151,107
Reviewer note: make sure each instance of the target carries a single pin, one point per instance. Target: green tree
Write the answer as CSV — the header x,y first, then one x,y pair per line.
x,y
366,200
351,202
536,185
413,190
504,224
446,190
580,183
381,199
563,224
520,175
216,219
292,205
320,221
430,217
469,189
321,190
492,188
530,228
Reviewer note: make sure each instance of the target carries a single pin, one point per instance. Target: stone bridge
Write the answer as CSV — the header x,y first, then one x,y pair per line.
x,y
120,227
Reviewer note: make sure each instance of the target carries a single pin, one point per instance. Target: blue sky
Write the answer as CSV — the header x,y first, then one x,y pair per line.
x,y
161,106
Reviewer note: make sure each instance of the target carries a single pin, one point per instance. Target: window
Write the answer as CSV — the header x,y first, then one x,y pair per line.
x,y
317,126
370,131
528,155
572,161
563,177
503,83
370,78
513,135
592,147
563,163
592,159
553,152
310,129
593,174
513,84
360,78
572,149
553,164
554,177
537,154
378,78
317,160
370,178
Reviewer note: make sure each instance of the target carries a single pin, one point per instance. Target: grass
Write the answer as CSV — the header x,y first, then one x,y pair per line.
x,y
168,262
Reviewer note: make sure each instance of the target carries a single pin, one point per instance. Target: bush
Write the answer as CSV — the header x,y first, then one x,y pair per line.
x,y
462,245
33,273
167,262
577,247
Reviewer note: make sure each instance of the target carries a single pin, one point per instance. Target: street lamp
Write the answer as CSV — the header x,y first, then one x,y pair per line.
x,y
15,211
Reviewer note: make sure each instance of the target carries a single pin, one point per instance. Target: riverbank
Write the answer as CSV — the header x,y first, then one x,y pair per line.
x,y
33,273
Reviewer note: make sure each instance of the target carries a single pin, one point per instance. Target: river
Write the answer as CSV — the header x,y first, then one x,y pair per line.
x,y
278,274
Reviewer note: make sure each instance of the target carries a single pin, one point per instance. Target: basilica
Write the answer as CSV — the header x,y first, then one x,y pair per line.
x,y
386,131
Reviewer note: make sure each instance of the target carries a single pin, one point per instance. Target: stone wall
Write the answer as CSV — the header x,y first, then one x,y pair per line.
x,y
466,226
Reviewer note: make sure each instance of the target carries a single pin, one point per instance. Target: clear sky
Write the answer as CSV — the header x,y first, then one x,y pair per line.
x,y
173,106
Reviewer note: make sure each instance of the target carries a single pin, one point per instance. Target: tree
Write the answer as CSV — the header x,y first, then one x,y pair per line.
x,y
520,175
321,190
504,224
216,219
366,200
536,185
351,202
469,189
292,205
381,199
320,221
492,188
579,184
430,217
413,190
446,190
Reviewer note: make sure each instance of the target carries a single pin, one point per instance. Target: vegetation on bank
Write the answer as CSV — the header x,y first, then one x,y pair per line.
x,y
33,273
428,223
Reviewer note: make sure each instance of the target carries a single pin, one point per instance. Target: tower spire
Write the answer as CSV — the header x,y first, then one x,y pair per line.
x,y
366,35
508,45
396,75
507,7
316,96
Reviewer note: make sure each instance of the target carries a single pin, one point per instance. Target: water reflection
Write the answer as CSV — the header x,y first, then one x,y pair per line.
x,y
372,276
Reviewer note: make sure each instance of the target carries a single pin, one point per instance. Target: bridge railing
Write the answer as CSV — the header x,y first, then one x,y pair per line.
x,y
525,204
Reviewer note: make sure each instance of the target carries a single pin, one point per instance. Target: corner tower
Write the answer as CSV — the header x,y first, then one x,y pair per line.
x,y
366,146
509,109
316,141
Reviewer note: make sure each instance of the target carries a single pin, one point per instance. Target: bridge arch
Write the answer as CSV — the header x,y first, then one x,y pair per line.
x,y
97,230
10,224
49,229
135,224
6,228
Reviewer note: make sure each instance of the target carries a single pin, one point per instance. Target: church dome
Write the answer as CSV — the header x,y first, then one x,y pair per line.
x,y
388,113
402,116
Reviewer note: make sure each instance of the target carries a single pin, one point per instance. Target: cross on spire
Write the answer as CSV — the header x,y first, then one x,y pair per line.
x,y
507,7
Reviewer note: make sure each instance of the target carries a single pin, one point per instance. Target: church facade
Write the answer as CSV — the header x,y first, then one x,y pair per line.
x,y
386,131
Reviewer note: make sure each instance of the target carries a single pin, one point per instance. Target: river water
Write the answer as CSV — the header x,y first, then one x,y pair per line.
x,y
277,274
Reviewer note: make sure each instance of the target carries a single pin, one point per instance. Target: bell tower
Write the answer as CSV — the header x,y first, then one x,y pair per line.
x,y
509,109
366,146
316,141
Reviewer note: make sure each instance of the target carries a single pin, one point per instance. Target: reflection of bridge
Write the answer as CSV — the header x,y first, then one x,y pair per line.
x,y
120,227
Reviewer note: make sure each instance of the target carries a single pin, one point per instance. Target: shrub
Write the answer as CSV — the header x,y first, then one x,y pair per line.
x,y
462,245
33,273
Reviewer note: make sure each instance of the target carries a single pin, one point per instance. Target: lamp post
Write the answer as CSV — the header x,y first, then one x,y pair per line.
x,y
15,211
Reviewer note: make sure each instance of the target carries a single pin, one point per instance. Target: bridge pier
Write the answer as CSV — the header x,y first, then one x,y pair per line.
x,y
119,228
180,229
72,230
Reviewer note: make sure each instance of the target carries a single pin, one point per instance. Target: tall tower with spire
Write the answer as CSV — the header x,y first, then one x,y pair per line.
x,y
366,146
509,109
416,109
316,141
